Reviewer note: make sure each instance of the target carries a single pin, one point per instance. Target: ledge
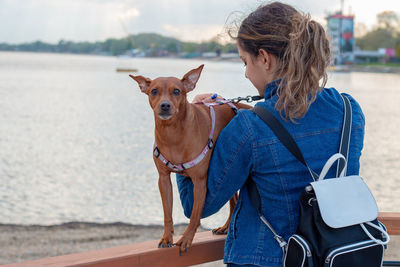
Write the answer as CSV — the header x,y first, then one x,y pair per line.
x,y
206,248
391,220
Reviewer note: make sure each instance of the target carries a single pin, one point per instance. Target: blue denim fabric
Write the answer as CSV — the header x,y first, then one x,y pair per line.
x,y
247,146
240,265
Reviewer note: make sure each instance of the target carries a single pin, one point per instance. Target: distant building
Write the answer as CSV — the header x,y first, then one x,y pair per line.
x,y
340,28
363,56
381,55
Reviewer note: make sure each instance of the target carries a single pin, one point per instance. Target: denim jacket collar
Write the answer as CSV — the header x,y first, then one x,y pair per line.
x,y
271,88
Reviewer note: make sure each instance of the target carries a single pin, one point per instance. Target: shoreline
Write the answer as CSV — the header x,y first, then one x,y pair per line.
x,y
366,69
335,68
79,224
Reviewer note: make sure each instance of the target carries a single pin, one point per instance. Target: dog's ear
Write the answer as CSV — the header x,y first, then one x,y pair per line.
x,y
142,81
190,79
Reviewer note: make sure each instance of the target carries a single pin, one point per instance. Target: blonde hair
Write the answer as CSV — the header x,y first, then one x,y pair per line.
x,y
301,47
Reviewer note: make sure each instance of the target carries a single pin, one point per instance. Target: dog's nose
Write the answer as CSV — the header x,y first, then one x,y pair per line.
x,y
165,106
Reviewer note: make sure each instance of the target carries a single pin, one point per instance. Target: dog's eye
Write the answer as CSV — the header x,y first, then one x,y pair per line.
x,y
154,91
176,92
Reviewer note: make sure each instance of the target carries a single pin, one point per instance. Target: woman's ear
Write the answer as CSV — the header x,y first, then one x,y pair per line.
x,y
265,58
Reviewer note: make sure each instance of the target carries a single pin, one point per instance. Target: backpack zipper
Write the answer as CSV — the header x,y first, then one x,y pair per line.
x,y
333,252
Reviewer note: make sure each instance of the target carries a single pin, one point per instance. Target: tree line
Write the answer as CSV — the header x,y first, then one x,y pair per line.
x,y
385,34
150,43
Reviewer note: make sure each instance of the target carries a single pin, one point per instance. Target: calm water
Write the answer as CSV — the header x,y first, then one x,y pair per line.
x,y
76,137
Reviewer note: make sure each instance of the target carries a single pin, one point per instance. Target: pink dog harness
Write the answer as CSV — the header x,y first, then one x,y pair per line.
x,y
210,143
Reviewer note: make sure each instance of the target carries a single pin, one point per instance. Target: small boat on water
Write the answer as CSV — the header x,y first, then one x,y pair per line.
x,y
124,64
126,70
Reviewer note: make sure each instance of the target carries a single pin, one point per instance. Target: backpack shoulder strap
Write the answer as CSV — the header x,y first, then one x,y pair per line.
x,y
346,133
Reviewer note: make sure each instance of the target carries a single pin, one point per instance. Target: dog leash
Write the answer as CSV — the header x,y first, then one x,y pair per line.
x,y
248,99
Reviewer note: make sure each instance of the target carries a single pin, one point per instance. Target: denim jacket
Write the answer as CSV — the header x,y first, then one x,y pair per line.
x,y
247,146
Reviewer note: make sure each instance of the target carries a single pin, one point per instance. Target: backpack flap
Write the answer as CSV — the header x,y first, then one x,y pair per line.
x,y
345,201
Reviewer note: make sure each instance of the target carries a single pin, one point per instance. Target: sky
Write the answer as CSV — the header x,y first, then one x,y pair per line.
x,y
189,20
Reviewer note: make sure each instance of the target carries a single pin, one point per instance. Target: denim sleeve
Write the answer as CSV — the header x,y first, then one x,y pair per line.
x,y
230,165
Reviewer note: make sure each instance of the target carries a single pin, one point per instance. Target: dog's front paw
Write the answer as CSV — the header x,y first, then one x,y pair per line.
x,y
185,242
166,242
220,230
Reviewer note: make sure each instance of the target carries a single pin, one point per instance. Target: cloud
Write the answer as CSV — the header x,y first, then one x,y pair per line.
x,y
50,21
93,20
131,12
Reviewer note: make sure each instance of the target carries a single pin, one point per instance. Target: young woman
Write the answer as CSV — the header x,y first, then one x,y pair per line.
x,y
286,55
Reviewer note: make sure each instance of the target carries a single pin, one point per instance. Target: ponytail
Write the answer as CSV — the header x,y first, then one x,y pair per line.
x,y
301,47
303,65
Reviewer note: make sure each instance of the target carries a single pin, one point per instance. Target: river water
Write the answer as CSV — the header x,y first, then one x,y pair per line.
x,y
76,137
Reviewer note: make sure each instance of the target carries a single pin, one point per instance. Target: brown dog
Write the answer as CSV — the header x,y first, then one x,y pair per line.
x,y
182,131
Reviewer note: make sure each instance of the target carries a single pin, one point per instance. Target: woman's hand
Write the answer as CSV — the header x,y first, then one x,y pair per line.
x,y
207,98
